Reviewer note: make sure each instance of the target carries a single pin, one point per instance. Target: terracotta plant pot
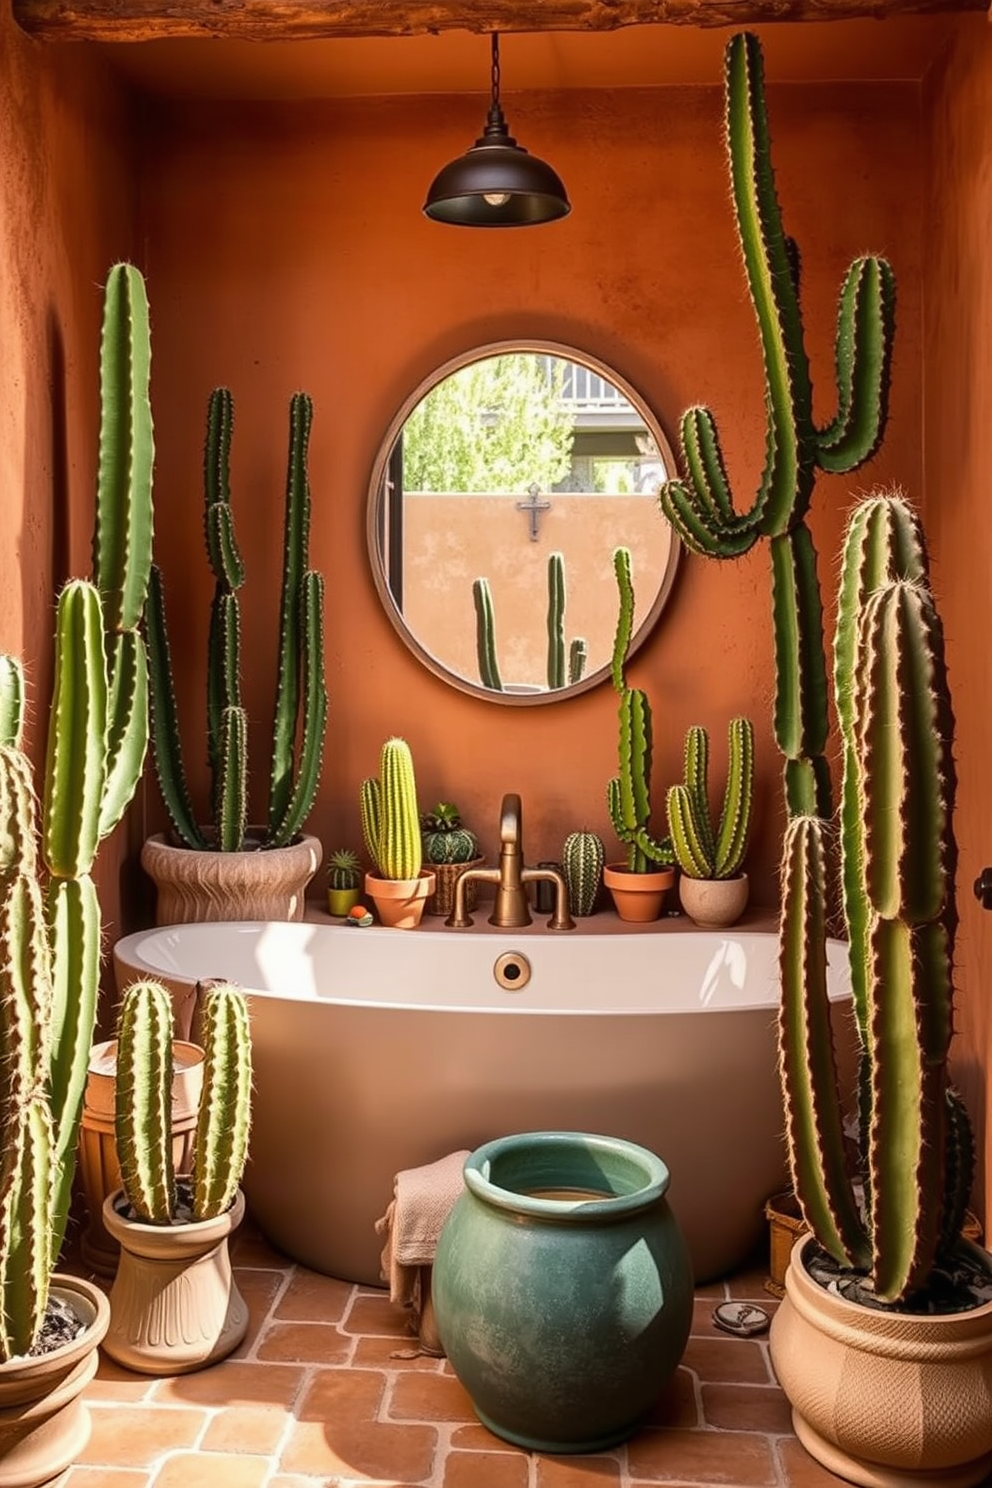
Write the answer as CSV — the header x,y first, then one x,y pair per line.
x,y
714,902
174,1305
446,875
44,1422
400,902
98,1166
266,884
637,897
885,1399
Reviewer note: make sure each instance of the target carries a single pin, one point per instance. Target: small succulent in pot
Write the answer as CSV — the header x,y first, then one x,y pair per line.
x,y
445,839
344,880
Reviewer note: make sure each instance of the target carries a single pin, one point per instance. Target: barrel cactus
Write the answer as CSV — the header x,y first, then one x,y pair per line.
x,y
445,839
701,850
344,871
389,816
582,859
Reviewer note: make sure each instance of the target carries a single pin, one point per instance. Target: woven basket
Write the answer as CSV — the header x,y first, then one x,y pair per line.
x,y
442,900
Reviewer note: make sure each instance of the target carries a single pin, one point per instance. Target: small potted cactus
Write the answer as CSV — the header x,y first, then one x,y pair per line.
x,y
582,859
173,1230
450,848
391,830
712,888
344,881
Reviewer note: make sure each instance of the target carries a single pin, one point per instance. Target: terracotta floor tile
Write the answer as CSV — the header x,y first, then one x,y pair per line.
x,y
677,1404
372,1312
103,1477
191,1470
418,1397
750,1280
387,1353
485,1470
115,1383
726,1457
577,1472
361,1449
738,1361
234,1382
293,1480
249,1247
310,1298
247,1428
304,1343
747,1408
478,1438
800,1470
134,1436
334,1394
259,1289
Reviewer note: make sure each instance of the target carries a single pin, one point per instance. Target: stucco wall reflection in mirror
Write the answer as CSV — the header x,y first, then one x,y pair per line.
x,y
500,492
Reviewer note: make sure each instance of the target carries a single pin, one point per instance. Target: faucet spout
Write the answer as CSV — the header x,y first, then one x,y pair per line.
x,y
510,907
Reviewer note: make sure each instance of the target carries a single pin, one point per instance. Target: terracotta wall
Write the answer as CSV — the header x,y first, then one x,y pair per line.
x,y
958,444
287,250
67,212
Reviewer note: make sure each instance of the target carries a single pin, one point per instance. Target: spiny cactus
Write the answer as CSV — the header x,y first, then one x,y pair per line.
x,y
390,821
701,506
49,911
898,864
628,794
582,859
143,1094
300,693
700,851
344,869
485,636
444,837
558,671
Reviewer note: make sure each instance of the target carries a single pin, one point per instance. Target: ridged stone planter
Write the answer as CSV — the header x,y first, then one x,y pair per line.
x,y
885,1399
562,1288
265,884
44,1422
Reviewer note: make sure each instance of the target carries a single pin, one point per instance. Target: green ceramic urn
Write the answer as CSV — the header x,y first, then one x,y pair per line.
x,y
563,1288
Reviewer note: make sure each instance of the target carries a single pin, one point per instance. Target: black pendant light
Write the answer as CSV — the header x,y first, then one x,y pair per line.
x,y
496,183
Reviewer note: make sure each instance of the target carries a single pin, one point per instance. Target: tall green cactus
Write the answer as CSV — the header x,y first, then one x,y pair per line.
x,y
97,736
898,863
700,851
389,815
224,1117
701,506
560,668
300,707
485,635
628,794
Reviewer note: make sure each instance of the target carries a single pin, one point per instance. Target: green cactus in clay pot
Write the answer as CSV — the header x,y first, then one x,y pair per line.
x,y
445,839
344,881
391,831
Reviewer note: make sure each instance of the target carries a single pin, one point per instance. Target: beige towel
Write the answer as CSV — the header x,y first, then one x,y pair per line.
x,y
422,1200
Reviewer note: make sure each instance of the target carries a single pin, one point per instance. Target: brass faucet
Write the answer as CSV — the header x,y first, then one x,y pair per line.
x,y
511,909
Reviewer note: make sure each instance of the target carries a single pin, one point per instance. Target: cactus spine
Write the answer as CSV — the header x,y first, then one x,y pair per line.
x,y
700,851
582,859
300,695
628,794
97,735
701,507
390,820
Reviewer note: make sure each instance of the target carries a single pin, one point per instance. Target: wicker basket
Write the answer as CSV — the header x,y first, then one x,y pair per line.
x,y
447,875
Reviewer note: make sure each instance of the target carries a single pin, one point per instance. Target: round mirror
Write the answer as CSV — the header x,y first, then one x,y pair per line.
x,y
501,490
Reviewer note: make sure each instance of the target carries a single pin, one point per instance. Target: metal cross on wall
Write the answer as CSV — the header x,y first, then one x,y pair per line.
x,y
533,507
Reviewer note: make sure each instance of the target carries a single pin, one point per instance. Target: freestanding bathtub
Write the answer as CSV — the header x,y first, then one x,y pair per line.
x,y
378,1049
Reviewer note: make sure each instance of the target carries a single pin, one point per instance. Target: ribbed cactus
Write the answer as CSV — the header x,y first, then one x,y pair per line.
x,y
143,1095
578,655
898,864
390,820
97,735
485,636
562,666
628,794
701,506
344,869
582,858
556,621
300,694
701,851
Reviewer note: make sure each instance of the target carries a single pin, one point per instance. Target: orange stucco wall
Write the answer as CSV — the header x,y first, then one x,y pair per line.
x,y
958,444
287,250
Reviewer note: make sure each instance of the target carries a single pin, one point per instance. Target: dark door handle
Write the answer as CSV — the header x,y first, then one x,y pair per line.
x,y
983,888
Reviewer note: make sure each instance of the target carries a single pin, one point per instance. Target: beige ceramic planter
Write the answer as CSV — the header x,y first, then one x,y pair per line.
x,y
638,897
885,1399
44,1422
174,1305
267,884
400,902
714,902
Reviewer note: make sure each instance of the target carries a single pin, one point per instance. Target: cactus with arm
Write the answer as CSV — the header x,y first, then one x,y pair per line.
x,y
700,851
389,816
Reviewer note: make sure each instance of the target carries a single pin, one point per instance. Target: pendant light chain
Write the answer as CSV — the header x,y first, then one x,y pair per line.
x,y
495,71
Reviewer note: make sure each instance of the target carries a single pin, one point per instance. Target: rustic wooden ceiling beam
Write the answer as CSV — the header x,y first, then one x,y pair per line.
x,y
287,20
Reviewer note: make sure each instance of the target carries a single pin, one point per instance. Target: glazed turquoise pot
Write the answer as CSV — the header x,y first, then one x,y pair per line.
x,y
562,1288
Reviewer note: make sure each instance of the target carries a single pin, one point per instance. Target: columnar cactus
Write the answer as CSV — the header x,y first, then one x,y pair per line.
x,y
485,635
556,620
97,736
300,694
701,506
628,794
700,851
582,858
562,666
898,863
390,820
220,1149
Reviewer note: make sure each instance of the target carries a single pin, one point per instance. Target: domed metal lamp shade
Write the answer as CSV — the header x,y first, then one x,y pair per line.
x,y
496,183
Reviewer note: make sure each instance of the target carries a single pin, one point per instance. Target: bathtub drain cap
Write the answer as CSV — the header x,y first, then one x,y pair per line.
x,y
512,971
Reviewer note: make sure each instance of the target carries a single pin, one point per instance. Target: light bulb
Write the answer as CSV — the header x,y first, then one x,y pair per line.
x,y
496,198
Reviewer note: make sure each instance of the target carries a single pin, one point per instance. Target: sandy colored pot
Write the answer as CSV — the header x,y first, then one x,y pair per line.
x,y
265,884
637,897
885,1399
98,1166
399,902
44,1423
174,1305
714,902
